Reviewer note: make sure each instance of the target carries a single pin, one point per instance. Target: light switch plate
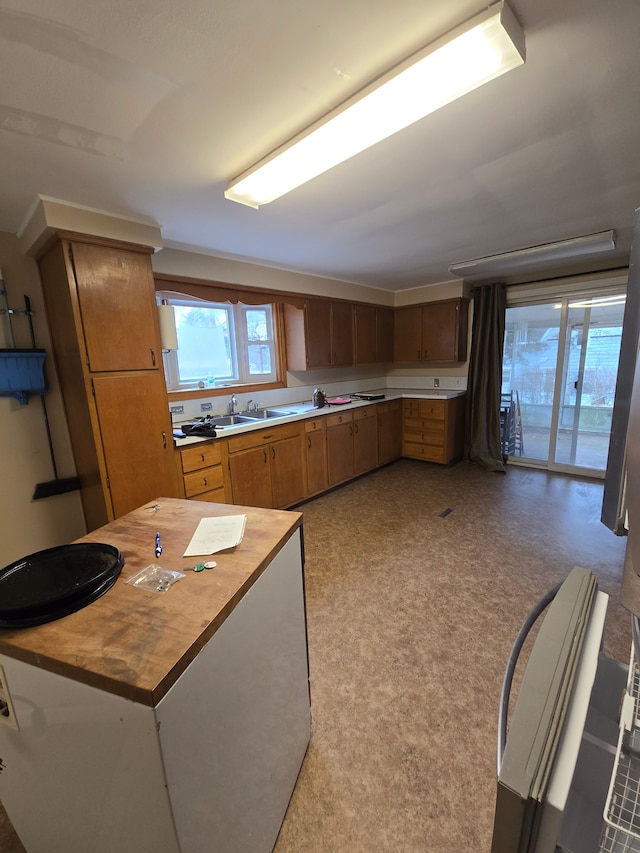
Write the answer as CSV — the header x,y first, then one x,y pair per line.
x,y
7,713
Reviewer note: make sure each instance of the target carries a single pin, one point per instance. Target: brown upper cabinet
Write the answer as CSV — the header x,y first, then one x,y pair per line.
x,y
435,332
319,335
373,330
116,297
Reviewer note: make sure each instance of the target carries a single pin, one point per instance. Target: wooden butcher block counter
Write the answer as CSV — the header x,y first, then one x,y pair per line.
x,y
136,643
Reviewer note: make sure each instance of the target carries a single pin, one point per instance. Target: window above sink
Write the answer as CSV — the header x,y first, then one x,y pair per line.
x,y
220,343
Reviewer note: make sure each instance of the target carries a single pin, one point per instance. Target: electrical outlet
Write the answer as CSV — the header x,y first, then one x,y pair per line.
x,y
436,383
458,383
206,407
7,714
176,410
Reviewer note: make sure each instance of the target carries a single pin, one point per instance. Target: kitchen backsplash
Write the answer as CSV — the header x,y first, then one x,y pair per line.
x,y
187,410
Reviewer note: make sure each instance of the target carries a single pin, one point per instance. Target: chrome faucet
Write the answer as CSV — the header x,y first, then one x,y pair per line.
x,y
231,408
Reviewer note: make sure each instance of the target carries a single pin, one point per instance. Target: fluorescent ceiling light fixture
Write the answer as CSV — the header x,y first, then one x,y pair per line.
x,y
473,54
524,259
597,302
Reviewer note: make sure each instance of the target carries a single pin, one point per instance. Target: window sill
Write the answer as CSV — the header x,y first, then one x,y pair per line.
x,y
223,390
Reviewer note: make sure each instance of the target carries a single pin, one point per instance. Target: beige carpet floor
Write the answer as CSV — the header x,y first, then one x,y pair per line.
x,y
411,614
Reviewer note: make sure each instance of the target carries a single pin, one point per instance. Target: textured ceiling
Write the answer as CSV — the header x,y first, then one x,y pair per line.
x,y
147,110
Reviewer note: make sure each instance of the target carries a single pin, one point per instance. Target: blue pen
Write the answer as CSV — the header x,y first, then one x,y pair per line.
x,y
158,545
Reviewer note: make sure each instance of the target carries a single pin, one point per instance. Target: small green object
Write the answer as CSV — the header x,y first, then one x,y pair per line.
x,y
199,567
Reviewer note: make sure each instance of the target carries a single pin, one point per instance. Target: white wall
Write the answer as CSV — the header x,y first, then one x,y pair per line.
x,y
27,525
193,265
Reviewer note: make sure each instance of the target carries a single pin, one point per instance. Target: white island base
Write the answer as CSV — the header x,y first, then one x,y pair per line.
x,y
210,768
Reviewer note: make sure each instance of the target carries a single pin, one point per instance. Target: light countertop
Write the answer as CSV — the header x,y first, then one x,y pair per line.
x,y
303,410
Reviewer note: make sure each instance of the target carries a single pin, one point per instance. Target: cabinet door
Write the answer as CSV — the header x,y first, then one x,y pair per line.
x,y
287,484
317,321
365,333
341,334
384,335
117,303
135,431
389,431
440,331
365,440
316,457
340,453
407,346
251,477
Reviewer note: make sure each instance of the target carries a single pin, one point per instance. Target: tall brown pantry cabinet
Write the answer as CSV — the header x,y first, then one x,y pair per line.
x,y
101,309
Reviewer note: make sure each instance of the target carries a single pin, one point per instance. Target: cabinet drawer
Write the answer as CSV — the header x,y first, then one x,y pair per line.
x,y
263,436
204,480
411,408
314,424
433,409
339,418
200,456
364,412
215,496
423,451
425,409
424,423
425,436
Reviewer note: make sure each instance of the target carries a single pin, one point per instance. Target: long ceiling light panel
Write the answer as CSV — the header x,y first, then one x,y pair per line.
x,y
522,259
473,54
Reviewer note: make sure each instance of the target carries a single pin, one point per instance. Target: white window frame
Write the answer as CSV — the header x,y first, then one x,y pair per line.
x,y
239,341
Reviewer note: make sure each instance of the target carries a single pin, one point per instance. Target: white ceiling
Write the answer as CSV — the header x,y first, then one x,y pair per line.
x,y
147,110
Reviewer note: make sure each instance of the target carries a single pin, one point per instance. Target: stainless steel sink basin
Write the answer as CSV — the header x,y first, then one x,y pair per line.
x,y
263,414
230,420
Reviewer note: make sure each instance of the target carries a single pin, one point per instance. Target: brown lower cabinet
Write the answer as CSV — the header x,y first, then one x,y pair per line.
x,y
266,467
316,456
340,461
389,431
433,430
365,440
280,466
202,472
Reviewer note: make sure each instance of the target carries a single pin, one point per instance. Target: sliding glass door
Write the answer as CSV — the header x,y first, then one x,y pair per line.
x,y
559,377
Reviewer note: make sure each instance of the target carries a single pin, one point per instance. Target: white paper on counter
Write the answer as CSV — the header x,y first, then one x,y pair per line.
x,y
216,534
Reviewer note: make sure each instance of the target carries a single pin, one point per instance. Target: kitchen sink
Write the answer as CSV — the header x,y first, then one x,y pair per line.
x,y
263,414
229,420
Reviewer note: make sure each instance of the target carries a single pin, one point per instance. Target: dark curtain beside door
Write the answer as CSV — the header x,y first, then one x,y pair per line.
x,y
482,434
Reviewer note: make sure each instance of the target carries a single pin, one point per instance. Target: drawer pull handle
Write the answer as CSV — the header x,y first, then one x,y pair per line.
x,y
164,439
309,442
202,456
264,453
273,453
204,481
153,357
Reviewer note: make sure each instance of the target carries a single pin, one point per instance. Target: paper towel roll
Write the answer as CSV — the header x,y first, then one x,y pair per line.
x,y
168,333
